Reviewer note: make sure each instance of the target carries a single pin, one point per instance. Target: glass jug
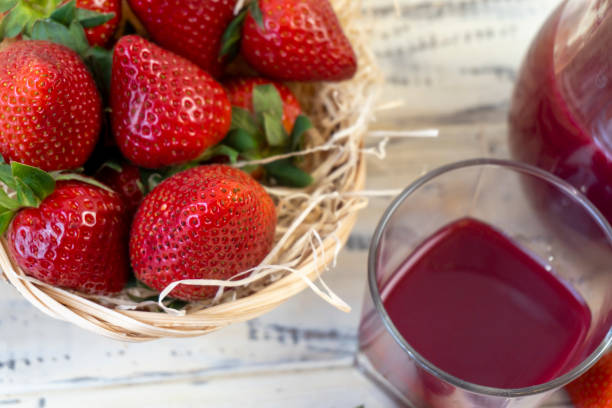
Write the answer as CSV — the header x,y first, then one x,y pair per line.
x,y
561,113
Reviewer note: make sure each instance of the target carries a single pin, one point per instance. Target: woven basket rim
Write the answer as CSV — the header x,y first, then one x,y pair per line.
x,y
138,326
65,305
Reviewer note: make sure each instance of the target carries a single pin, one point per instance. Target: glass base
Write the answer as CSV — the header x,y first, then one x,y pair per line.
x,y
363,364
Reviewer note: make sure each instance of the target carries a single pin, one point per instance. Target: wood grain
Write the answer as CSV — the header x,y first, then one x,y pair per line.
x,y
452,61
452,65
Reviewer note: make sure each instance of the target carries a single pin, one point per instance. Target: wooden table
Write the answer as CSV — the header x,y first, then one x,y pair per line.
x,y
450,65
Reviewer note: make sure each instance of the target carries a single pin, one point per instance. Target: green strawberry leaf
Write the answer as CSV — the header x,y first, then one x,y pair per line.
x,y
100,62
274,130
150,178
257,14
266,98
6,216
219,150
90,18
113,165
301,125
286,174
223,150
6,176
15,22
7,202
177,304
79,177
25,195
241,140
50,30
38,181
78,34
251,155
65,13
6,5
242,119
230,42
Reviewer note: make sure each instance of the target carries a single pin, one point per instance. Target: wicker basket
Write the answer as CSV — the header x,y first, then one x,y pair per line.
x,y
313,223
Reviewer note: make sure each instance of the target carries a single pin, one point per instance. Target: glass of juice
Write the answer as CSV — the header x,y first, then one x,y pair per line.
x,y
478,298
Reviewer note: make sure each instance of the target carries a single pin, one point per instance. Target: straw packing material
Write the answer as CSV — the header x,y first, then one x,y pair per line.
x,y
313,224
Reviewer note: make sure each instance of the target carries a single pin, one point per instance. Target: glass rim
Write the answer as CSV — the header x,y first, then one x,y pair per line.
x,y
420,360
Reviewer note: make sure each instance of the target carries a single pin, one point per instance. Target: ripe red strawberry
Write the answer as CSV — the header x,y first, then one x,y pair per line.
x,y
209,222
190,28
76,239
240,94
165,110
594,389
125,180
50,109
102,34
301,40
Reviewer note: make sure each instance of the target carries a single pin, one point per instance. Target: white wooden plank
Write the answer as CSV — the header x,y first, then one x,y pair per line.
x,y
329,388
451,60
293,388
39,353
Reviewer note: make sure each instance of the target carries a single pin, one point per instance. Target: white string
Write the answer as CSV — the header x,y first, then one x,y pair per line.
x,y
424,133
322,148
398,10
329,297
337,250
379,151
390,105
373,193
239,5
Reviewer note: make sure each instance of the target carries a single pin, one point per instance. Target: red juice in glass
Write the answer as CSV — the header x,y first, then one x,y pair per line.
x,y
475,299
477,306
561,113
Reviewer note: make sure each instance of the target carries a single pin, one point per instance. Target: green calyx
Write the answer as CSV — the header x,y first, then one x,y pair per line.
x,y
28,186
230,42
63,24
24,15
262,135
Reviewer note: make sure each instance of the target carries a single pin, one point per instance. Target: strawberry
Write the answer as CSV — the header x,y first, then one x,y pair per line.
x,y
102,34
240,94
190,28
73,233
208,222
125,180
50,109
299,40
594,389
165,110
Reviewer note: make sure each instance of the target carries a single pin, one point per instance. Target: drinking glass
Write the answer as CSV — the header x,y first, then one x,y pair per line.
x,y
574,241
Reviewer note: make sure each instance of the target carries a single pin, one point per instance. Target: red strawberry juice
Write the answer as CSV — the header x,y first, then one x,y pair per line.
x,y
476,305
561,115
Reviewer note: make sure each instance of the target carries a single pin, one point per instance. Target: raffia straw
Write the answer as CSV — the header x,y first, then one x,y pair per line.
x,y
313,224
